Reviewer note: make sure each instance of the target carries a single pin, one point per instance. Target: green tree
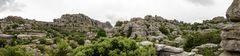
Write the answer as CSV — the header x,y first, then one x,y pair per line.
x,y
113,47
119,23
63,48
101,33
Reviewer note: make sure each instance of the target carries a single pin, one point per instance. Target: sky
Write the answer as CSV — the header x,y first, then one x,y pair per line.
x,y
113,10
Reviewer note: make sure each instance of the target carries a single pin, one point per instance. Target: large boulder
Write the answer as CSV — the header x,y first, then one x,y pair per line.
x,y
233,12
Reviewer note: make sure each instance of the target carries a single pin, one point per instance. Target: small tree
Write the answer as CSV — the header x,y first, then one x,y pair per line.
x,y
119,23
101,33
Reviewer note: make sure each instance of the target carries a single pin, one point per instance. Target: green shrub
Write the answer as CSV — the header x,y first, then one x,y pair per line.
x,y
196,39
101,33
14,51
3,42
63,48
208,52
23,41
164,30
113,47
119,23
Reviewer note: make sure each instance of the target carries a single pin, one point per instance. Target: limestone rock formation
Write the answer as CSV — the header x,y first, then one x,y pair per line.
x,y
147,26
80,20
231,34
230,37
233,12
219,19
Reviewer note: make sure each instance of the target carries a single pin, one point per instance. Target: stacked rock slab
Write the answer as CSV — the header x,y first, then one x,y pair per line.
x,y
231,33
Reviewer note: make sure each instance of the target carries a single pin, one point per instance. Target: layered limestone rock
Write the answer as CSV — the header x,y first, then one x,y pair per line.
x,y
231,33
80,20
233,12
146,27
231,38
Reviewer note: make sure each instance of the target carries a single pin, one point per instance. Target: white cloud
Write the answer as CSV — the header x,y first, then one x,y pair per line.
x,y
10,5
202,2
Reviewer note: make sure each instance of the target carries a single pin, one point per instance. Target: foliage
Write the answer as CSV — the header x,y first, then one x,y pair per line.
x,y
3,42
196,39
14,51
101,33
23,41
208,51
113,47
164,30
63,48
119,23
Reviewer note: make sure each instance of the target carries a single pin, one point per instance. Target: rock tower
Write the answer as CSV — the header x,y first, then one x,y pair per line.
x,y
231,33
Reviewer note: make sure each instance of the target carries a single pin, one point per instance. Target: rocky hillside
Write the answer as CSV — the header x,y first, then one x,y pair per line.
x,y
79,35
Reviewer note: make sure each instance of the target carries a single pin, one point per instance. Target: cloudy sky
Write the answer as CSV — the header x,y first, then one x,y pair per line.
x,y
113,10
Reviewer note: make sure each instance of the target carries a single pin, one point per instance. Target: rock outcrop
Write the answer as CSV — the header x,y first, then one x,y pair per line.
x,y
231,37
146,27
80,20
231,33
233,12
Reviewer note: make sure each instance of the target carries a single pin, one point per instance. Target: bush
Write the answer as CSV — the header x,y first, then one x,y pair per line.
x,y
101,33
119,23
3,42
113,47
208,52
196,39
14,51
164,30
63,48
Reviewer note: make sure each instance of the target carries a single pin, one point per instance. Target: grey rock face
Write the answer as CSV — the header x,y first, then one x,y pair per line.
x,y
135,29
231,31
81,21
233,12
231,37
147,26
231,45
231,34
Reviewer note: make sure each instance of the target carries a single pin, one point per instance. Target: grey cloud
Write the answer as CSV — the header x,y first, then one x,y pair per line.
x,y
202,2
10,5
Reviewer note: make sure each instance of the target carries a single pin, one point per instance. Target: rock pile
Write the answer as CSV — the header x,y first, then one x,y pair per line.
x,y
231,33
